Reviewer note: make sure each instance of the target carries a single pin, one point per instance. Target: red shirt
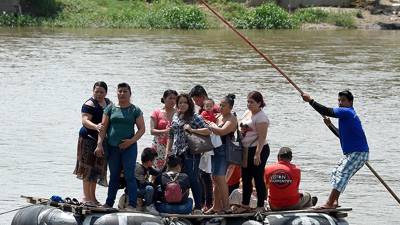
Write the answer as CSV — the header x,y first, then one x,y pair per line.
x,y
235,177
215,109
209,116
283,180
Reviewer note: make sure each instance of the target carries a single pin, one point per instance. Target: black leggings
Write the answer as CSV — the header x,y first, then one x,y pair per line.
x,y
256,172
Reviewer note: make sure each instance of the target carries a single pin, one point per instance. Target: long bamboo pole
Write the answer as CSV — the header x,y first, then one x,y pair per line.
x,y
289,80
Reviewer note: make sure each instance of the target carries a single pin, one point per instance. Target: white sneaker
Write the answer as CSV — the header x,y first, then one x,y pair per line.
x,y
152,210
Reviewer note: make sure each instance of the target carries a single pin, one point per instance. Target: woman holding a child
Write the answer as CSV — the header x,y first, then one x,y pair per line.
x,y
187,119
254,126
225,127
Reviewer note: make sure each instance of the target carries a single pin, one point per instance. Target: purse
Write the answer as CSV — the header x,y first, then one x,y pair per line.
x,y
198,143
235,153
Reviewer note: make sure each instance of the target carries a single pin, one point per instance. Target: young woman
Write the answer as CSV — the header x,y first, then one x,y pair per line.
x,y
225,127
160,122
254,127
186,119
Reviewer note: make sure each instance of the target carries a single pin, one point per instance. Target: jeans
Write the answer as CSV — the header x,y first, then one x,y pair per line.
x,y
191,168
147,194
183,208
119,159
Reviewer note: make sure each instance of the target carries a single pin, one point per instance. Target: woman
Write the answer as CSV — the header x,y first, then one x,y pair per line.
x,y
225,127
89,168
254,127
186,119
119,123
160,121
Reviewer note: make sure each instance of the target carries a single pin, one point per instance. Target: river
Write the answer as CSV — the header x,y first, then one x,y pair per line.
x,y
46,75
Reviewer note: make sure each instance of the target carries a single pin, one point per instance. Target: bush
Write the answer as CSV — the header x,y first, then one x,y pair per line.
x,y
184,17
266,16
14,20
271,16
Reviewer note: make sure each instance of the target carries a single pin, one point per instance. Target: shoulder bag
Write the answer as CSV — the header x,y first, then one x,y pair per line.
x,y
198,143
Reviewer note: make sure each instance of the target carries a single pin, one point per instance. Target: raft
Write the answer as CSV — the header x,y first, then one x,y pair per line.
x,y
53,213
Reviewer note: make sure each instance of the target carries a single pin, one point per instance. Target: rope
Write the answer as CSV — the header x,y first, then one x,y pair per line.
x,y
23,207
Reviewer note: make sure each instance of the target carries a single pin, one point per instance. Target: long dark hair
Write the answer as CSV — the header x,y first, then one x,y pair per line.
x,y
188,115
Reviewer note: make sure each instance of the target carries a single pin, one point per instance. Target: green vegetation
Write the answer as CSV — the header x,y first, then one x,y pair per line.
x,y
165,14
312,15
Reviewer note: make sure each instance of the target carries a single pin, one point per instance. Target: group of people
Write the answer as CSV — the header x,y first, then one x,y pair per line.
x,y
168,170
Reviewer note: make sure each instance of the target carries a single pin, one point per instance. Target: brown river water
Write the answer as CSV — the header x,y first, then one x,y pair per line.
x,y
46,75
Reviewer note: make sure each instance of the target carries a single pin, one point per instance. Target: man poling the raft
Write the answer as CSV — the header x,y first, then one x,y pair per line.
x,y
352,140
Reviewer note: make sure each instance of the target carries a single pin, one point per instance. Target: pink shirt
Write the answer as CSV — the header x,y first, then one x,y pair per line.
x,y
161,123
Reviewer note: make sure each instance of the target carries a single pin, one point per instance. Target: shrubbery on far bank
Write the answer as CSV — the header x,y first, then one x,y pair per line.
x,y
165,14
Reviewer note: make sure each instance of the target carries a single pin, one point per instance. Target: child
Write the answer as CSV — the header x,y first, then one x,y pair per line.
x,y
208,113
205,161
173,176
145,190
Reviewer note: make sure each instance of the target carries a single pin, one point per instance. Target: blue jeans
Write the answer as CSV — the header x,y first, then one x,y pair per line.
x,y
119,159
147,194
184,208
191,168
218,160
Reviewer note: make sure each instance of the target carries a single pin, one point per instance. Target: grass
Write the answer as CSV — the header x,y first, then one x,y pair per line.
x,y
167,14
315,15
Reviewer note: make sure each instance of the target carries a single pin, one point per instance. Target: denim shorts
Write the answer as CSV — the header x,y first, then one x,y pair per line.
x,y
219,163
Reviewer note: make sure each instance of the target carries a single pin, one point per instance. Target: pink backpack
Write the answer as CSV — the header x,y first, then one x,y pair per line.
x,y
173,191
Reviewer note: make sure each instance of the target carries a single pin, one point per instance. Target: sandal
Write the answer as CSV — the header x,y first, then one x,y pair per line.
x,y
210,211
225,211
241,209
68,200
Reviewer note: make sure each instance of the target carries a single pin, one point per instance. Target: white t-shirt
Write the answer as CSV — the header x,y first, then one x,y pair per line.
x,y
251,121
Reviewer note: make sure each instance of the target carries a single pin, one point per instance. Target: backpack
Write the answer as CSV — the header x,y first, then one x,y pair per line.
x,y
173,191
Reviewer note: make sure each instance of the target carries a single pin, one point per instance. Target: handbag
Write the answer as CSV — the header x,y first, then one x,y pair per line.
x,y
234,150
198,143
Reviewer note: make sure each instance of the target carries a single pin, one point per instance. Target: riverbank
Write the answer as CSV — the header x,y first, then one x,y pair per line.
x,y
175,14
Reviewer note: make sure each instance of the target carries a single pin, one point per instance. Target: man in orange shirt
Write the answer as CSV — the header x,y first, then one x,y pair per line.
x,y
282,182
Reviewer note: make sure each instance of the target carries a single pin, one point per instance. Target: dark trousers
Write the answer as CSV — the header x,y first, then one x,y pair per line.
x,y
207,193
257,173
191,168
